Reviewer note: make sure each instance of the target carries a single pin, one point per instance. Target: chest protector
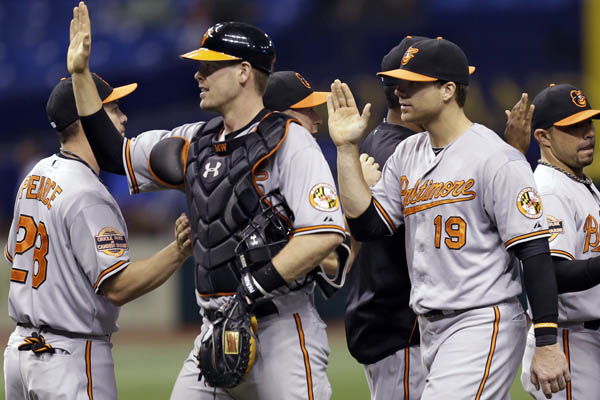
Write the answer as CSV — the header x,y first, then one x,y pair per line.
x,y
223,196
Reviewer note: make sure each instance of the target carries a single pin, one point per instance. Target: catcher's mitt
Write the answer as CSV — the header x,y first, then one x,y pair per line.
x,y
228,349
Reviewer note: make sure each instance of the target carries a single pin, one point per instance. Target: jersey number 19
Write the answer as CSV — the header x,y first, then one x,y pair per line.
x,y
456,231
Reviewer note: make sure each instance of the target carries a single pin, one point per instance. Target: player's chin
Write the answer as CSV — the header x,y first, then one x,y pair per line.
x,y
586,158
206,105
409,116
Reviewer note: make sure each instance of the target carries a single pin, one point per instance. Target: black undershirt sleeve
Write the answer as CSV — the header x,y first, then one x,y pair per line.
x,y
105,140
576,275
368,226
540,284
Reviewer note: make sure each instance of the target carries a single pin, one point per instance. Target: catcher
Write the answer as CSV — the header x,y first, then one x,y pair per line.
x,y
263,209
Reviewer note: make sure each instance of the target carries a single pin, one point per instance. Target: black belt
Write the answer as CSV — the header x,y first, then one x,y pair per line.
x,y
436,315
72,335
260,310
593,325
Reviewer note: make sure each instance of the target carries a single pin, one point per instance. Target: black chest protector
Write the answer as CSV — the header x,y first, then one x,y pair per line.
x,y
223,196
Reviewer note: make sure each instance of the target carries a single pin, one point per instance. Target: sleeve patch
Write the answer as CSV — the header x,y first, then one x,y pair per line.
x,y
529,203
324,197
111,242
555,226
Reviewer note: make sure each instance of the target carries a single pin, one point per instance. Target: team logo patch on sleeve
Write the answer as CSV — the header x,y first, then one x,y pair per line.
x,y
111,242
555,226
529,203
323,197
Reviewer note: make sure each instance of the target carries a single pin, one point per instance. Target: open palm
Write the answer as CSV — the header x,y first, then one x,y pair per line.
x,y
346,124
78,55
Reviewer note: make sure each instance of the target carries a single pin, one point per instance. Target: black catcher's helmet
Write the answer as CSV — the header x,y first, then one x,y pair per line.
x,y
227,41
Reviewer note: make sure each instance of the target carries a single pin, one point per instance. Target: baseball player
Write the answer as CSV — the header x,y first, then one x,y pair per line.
x,y
562,125
381,329
231,168
71,269
470,208
290,92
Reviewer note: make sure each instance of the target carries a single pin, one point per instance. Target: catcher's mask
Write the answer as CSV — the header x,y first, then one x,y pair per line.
x,y
266,234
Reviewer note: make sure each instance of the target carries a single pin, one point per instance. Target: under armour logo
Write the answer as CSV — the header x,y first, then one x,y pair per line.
x,y
214,171
253,240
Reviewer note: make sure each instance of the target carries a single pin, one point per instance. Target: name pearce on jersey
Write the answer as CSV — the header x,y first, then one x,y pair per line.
x,y
47,189
429,194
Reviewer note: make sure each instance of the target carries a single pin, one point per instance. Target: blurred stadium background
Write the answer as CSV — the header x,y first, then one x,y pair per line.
x,y
517,46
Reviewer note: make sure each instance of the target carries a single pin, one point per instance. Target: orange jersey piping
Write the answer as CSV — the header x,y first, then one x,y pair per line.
x,y
562,253
107,271
134,185
488,364
544,232
386,217
568,356
305,354
88,368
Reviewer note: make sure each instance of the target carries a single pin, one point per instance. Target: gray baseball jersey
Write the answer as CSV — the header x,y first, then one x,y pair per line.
x,y
573,211
298,170
296,333
66,238
463,209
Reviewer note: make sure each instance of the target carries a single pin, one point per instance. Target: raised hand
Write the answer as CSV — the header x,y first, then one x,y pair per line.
x,y
518,124
78,56
346,124
182,235
370,169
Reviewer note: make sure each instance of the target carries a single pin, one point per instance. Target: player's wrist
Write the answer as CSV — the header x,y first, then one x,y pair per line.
x,y
545,333
348,148
260,283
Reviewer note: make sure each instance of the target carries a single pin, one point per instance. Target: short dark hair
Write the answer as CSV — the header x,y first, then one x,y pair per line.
x,y
461,92
261,79
68,132
393,102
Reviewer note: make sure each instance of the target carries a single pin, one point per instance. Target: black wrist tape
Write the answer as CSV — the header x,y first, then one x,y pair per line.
x,y
545,339
268,278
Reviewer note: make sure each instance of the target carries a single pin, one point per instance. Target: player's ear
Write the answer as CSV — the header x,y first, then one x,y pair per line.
x,y
543,137
244,72
448,90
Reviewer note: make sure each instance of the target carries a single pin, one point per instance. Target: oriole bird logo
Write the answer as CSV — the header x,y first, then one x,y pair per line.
x,y
578,98
409,55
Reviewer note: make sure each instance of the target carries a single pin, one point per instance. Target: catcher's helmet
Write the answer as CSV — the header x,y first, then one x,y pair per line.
x,y
227,41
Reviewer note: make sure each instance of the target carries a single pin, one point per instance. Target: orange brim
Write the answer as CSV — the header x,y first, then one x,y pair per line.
x,y
413,76
577,117
407,75
120,92
312,100
203,54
